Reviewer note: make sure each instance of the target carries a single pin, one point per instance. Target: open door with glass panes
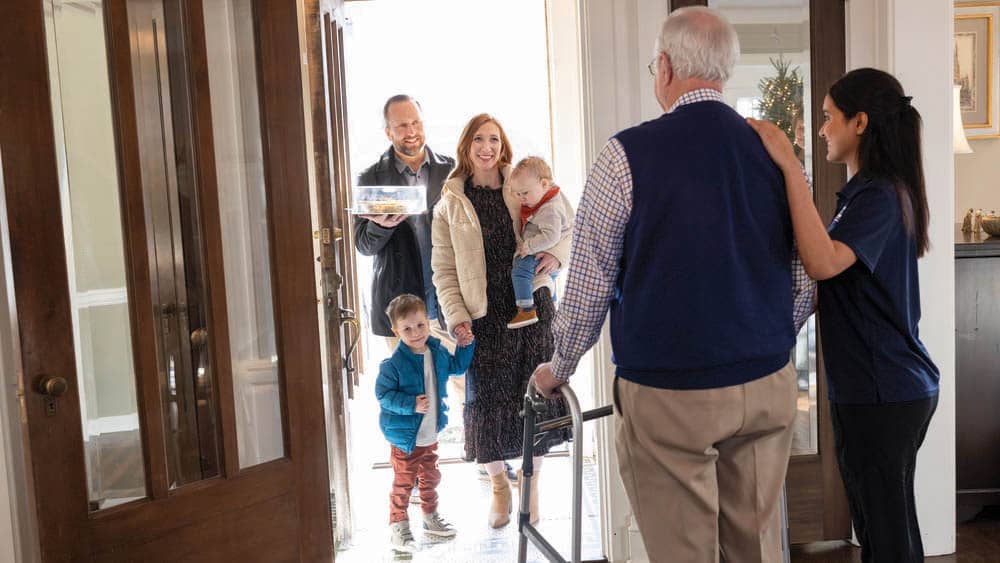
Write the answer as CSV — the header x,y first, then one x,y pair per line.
x,y
341,329
156,191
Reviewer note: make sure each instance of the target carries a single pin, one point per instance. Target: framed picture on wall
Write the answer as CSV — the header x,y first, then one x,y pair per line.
x,y
977,54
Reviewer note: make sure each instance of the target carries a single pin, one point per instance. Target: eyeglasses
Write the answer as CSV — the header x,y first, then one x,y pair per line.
x,y
652,65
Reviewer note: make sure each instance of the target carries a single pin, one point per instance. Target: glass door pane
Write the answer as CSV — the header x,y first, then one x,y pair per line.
x,y
232,71
173,225
95,254
772,82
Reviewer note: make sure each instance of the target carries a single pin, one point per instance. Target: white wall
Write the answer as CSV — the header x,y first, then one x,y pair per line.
x,y
566,95
916,46
976,178
913,40
617,42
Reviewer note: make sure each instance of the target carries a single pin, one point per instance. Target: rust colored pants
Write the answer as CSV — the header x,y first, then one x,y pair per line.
x,y
422,463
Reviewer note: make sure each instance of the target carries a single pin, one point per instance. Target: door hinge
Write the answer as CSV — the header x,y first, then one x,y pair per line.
x,y
326,235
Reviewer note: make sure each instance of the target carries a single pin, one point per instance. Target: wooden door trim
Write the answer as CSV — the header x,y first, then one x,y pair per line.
x,y
30,176
286,170
678,4
343,187
211,228
828,33
327,157
141,316
202,501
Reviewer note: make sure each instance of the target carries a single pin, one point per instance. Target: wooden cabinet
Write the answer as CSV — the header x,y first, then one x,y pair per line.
x,y
977,350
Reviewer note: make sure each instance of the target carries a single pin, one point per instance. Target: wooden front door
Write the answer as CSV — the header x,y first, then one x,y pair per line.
x,y
809,36
338,267
155,176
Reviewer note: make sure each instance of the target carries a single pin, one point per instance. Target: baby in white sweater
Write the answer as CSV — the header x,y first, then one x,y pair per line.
x,y
546,217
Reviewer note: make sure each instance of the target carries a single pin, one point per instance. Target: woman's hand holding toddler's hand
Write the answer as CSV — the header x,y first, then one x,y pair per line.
x,y
463,332
465,338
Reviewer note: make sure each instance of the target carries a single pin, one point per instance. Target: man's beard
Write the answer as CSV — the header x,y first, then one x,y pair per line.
x,y
409,150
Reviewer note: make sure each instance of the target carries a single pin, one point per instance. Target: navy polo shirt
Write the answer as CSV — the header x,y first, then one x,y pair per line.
x,y
868,314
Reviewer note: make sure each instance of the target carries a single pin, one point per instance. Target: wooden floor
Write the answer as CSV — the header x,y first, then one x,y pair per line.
x,y
978,542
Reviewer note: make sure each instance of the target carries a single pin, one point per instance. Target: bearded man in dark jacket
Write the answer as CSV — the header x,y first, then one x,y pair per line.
x,y
401,244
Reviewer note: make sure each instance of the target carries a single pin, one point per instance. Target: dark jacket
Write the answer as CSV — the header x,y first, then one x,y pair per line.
x,y
398,264
401,379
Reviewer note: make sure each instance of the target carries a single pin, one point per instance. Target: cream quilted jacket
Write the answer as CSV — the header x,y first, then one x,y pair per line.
x,y
458,258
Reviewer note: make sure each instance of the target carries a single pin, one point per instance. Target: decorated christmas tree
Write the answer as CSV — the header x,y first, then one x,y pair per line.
x,y
781,96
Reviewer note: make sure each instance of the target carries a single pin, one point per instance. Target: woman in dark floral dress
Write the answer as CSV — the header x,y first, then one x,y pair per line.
x,y
474,246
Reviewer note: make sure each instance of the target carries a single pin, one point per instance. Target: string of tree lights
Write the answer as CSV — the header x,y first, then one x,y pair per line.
x,y
781,96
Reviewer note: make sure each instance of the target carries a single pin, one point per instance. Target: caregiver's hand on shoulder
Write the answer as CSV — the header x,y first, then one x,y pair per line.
x,y
777,144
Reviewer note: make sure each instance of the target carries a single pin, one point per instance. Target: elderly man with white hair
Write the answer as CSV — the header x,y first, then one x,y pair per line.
x,y
684,233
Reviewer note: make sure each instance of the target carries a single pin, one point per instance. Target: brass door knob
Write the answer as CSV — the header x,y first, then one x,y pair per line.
x,y
199,337
52,385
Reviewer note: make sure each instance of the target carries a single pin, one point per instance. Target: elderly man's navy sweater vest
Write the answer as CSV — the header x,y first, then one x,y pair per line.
x,y
704,298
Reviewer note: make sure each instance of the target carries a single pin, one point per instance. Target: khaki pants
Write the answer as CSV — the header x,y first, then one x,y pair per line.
x,y
704,469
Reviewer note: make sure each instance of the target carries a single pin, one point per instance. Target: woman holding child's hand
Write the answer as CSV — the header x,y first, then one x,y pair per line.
x,y
474,246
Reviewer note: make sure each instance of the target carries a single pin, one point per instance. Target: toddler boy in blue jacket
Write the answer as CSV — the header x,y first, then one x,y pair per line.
x,y
411,388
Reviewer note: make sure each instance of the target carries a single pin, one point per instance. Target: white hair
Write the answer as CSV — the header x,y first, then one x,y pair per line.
x,y
700,43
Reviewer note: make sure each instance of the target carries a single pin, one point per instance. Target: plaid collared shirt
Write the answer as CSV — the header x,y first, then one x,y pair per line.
x,y
598,243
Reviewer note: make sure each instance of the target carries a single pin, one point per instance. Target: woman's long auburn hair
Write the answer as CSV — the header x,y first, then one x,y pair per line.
x,y
464,167
890,144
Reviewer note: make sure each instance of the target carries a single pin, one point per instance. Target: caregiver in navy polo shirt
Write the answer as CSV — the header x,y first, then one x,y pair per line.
x,y
883,384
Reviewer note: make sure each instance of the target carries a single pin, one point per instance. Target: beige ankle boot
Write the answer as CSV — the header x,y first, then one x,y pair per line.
x,y
500,507
534,515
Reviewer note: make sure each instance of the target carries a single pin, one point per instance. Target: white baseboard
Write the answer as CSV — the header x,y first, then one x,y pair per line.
x,y
111,424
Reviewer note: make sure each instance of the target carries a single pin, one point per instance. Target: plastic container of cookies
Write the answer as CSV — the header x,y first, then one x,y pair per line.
x,y
389,200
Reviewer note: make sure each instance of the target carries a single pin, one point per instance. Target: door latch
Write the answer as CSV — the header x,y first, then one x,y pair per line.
x,y
51,387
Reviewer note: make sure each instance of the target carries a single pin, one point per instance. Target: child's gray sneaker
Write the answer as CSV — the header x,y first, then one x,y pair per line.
x,y
402,539
435,525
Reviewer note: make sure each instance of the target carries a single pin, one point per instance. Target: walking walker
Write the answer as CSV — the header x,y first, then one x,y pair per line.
x,y
534,405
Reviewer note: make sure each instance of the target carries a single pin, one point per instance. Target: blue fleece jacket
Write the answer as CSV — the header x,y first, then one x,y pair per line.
x,y
401,379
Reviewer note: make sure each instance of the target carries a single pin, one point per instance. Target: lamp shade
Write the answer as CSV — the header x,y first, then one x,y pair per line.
x,y
959,142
